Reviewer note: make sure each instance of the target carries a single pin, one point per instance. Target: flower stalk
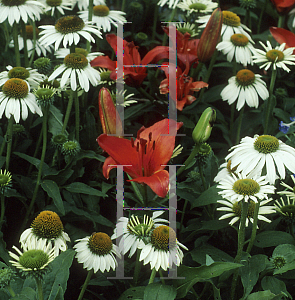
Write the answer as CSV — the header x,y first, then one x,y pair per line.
x,y
241,241
254,227
153,275
86,282
270,102
39,288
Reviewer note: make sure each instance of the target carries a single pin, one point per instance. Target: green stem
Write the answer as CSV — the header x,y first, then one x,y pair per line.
x,y
155,21
89,275
68,112
189,159
2,209
202,175
137,268
241,241
281,21
123,5
271,101
254,228
11,291
183,213
77,115
9,141
34,43
16,45
240,124
39,288
261,15
24,32
209,71
146,94
161,276
153,275
36,150
44,132
90,13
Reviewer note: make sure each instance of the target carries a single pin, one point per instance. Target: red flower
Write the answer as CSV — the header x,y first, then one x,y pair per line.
x,y
133,76
186,47
145,158
185,87
283,6
283,36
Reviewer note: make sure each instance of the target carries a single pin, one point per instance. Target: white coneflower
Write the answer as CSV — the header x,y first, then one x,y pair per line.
x,y
47,226
162,249
97,252
245,87
67,30
274,57
265,151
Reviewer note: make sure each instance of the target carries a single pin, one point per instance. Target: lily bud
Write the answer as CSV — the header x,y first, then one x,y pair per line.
x,y
108,113
204,126
210,36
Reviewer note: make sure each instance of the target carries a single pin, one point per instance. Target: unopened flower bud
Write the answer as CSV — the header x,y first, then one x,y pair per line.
x,y
108,114
210,36
204,126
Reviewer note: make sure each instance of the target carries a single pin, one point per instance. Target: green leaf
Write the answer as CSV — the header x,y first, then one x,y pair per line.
x,y
55,120
59,275
194,275
210,196
46,170
273,238
135,293
3,252
275,285
26,294
263,295
250,272
157,291
199,254
52,189
80,187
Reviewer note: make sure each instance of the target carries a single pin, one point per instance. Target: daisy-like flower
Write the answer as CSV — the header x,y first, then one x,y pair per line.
x,y
225,169
84,4
34,259
52,6
236,188
231,24
233,210
68,30
14,10
163,249
286,208
47,227
238,47
171,3
5,180
75,68
97,252
136,230
245,87
203,6
39,49
15,99
63,52
184,28
32,76
104,17
127,102
274,57
252,155
291,193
